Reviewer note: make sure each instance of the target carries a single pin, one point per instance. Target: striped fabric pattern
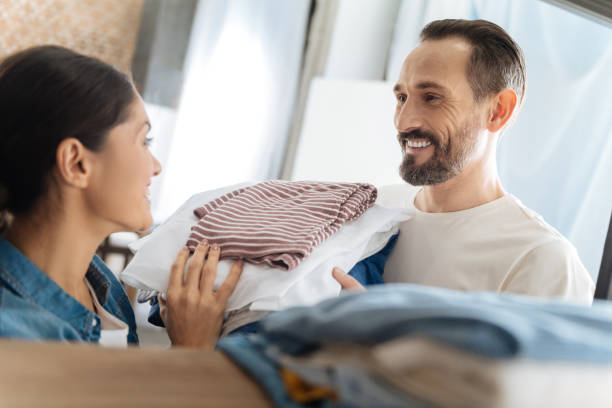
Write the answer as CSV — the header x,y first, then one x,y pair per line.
x,y
279,223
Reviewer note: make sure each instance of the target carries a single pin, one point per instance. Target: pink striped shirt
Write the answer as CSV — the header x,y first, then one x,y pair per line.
x,y
279,223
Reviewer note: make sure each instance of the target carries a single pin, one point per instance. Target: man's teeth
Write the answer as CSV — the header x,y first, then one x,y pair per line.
x,y
414,143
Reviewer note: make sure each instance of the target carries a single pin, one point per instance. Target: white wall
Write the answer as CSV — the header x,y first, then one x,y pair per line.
x,y
348,133
361,39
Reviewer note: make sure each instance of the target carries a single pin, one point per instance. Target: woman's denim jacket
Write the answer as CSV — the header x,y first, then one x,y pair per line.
x,y
33,307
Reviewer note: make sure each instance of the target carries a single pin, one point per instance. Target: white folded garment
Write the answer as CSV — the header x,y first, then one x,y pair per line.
x,y
263,287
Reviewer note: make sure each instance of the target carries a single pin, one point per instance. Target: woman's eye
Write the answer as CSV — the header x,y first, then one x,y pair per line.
x,y
148,141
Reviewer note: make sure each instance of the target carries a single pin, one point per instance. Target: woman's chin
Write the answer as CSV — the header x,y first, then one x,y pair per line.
x,y
146,225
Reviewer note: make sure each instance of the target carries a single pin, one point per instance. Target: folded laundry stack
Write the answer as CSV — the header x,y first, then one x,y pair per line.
x,y
279,223
414,346
347,229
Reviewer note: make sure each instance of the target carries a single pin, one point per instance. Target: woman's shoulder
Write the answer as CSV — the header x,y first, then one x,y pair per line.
x,y
23,319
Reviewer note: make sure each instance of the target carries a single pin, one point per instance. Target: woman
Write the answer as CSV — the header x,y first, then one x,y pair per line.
x,y
75,167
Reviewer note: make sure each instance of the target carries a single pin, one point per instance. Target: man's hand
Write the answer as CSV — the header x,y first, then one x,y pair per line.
x,y
347,281
193,311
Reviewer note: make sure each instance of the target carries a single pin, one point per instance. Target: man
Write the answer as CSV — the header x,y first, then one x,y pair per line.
x,y
457,92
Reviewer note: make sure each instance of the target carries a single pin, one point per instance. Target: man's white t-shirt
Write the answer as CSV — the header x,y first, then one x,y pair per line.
x,y
500,246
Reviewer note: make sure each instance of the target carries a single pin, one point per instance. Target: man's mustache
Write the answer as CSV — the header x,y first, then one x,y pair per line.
x,y
417,134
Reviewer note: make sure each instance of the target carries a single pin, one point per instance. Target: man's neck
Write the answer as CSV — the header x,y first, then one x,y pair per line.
x,y
476,185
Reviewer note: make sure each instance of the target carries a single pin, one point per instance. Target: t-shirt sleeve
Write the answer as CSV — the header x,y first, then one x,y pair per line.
x,y
552,269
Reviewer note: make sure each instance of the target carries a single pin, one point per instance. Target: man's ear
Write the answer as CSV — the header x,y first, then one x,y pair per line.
x,y
503,105
73,163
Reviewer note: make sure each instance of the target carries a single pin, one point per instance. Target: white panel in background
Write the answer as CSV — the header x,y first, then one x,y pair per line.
x,y
361,39
163,120
348,133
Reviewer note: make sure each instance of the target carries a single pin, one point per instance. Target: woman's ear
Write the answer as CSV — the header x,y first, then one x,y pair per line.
x,y
73,163
502,107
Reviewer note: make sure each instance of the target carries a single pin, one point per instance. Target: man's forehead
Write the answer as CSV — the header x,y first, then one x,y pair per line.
x,y
436,63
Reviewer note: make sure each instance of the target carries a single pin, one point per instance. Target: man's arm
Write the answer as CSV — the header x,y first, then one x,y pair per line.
x,y
552,269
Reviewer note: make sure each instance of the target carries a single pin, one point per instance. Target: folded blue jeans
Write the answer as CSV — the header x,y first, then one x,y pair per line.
x,y
492,325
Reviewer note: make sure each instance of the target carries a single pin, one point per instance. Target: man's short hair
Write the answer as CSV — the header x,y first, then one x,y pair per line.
x,y
496,62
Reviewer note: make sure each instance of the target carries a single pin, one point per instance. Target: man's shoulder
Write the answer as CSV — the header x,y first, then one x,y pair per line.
x,y
549,260
533,225
539,236
397,195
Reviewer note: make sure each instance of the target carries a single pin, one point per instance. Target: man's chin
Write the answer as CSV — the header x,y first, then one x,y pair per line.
x,y
414,181
422,175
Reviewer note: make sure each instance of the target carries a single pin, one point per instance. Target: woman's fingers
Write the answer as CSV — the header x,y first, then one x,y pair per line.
x,y
347,281
194,270
228,286
178,269
163,308
207,280
192,312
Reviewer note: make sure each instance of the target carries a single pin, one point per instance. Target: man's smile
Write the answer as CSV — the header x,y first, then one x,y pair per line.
x,y
416,143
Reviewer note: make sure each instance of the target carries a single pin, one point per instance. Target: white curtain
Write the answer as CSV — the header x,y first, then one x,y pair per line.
x,y
557,158
242,71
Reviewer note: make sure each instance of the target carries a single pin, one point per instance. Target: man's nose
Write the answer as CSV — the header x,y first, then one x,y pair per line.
x,y
408,117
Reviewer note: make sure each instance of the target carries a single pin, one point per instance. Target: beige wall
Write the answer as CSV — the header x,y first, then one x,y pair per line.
x,y
106,29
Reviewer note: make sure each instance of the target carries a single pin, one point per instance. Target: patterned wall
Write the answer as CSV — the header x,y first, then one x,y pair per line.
x,y
106,29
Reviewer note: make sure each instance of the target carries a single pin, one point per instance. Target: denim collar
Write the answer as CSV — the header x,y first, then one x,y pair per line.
x,y
24,278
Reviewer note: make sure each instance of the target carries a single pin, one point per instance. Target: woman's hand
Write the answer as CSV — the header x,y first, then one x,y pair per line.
x,y
193,311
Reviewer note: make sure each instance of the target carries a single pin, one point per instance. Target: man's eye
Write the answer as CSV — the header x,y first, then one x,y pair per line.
x,y
430,98
401,98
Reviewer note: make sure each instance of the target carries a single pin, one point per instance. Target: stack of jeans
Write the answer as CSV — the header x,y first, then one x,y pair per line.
x,y
347,345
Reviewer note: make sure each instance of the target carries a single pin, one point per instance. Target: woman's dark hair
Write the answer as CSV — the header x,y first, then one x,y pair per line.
x,y
48,94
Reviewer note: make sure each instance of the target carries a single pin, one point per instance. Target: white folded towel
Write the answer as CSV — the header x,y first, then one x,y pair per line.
x,y
263,287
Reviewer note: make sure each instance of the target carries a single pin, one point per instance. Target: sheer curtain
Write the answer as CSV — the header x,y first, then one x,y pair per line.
x,y
242,70
557,158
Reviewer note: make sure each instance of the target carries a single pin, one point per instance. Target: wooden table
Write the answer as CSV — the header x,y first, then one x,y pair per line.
x,y
66,375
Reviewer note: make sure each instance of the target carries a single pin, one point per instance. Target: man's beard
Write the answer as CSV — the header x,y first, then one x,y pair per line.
x,y
448,159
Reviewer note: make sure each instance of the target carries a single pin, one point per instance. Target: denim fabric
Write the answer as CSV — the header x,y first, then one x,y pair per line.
x,y
249,353
34,307
499,326
247,329
369,271
154,315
